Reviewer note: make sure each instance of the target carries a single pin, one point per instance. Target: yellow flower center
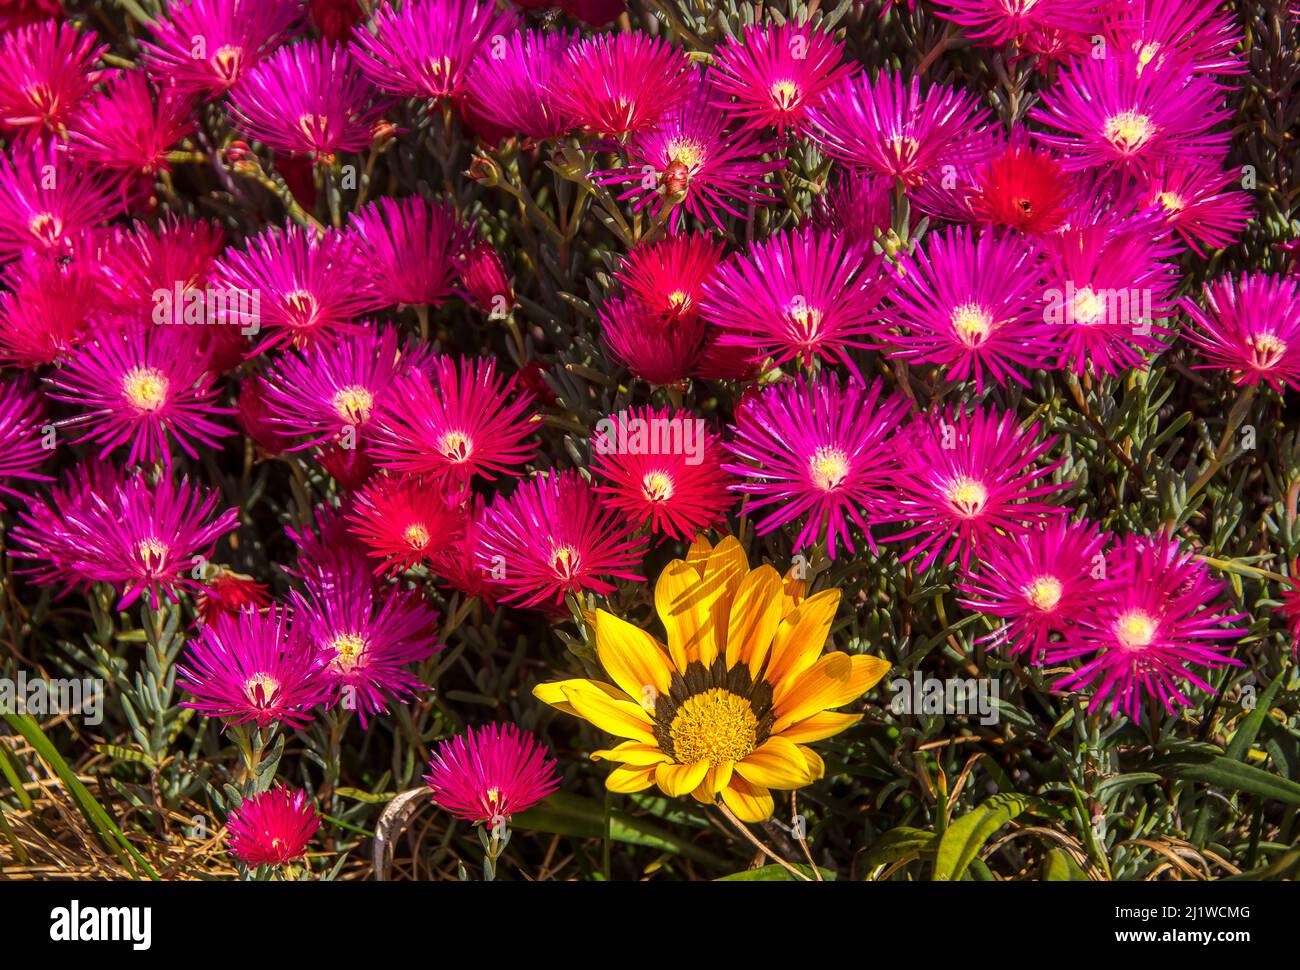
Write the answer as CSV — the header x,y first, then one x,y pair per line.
x,y
1135,629
302,306
678,298
145,388
456,446
1089,306
1148,53
785,94
152,551
685,152
46,226
807,320
226,61
263,684
828,467
716,726
1171,201
348,648
1129,130
903,146
416,536
657,486
353,404
966,496
971,324
564,561
1044,593
1268,350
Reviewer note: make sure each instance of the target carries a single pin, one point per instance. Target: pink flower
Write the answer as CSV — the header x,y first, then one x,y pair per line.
x,y
47,201
47,311
46,68
490,773
1250,327
511,84
408,248
403,522
1197,203
618,83
272,828
994,22
22,440
128,128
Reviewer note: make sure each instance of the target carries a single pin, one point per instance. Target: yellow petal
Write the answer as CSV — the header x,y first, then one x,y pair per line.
x,y
621,718
698,554
801,636
776,763
632,753
678,780
795,588
693,612
634,659
820,726
718,777
755,613
749,802
832,681
816,767
553,693
626,780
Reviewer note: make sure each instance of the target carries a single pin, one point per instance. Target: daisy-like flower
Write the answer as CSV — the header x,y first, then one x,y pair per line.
x,y
403,522
129,128
366,636
771,74
994,22
819,452
46,68
663,350
489,773
47,310
272,828
228,593
203,47
47,533
799,295
1201,203
661,468
307,99
551,536
1113,113
483,277
1106,285
510,83
971,304
423,48
1020,188
667,277
618,83
1196,34
455,422
1250,327
22,438
47,200
310,288
254,667
142,387
967,477
890,128
1154,617
1038,583
408,249
727,708
332,392
690,162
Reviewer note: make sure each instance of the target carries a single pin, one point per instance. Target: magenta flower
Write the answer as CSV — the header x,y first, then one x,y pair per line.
x,y
307,99
663,350
47,200
254,667
456,422
46,68
771,74
966,478
1116,113
128,128
272,828
490,773
1250,327
142,387
423,48
22,438
408,248
47,311
994,22
1038,582
1153,617
204,47
971,304
1201,203
889,128
689,161
43,537
403,522
309,288
551,536
484,279
818,452
1197,35
618,83
800,295
661,469
140,261
667,277
511,83
366,636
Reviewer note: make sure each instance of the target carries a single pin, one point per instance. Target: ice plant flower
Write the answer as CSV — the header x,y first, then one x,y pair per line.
x,y
227,593
203,47
511,83
662,469
994,22
129,129
800,295
618,83
423,48
856,206
408,248
307,99
1021,188
254,668
1201,203
1250,327
488,774
727,707
663,350
403,521
667,277
272,828
967,477
366,636
1037,583
23,441
818,452
483,277
144,388
47,311
1155,616
972,304
1197,35
47,200
769,75
46,68
551,536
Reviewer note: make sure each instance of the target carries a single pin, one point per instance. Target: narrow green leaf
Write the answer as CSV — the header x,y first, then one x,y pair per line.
x,y
774,873
966,836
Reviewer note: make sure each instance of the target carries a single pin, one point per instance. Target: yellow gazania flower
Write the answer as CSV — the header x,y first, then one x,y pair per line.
x,y
728,707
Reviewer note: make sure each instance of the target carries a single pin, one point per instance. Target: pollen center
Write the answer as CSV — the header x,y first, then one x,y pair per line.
x,y
353,404
1135,629
564,560
416,536
966,496
1171,201
785,94
685,152
715,726
1267,349
226,62
145,388
1044,593
261,689
302,308
456,446
828,467
1088,307
348,648
971,324
46,226
153,552
1128,131
657,486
